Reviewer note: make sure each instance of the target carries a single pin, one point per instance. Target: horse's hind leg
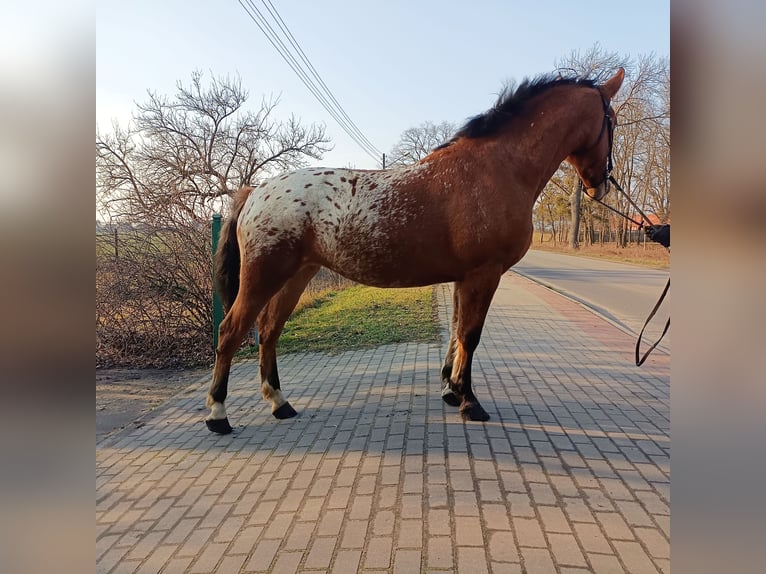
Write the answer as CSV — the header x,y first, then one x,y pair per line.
x,y
270,323
231,333
475,293
448,395
258,283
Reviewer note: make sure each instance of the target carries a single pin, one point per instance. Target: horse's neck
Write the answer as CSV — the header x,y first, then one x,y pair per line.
x,y
547,136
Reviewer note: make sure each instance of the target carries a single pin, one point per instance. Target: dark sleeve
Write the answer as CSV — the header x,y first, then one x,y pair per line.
x,y
659,234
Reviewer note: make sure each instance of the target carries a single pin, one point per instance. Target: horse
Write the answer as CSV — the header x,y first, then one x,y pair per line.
x,y
462,214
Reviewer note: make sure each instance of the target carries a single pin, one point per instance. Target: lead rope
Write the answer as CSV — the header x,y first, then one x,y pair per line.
x,y
639,359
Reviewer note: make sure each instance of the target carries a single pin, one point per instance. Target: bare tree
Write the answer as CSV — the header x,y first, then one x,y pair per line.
x,y
641,139
416,143
599,65
158,182
180,155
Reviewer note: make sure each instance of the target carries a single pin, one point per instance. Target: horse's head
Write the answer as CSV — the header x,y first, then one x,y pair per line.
x,y
594,162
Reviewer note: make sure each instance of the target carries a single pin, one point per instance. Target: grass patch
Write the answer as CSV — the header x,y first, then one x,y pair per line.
x,y
360,317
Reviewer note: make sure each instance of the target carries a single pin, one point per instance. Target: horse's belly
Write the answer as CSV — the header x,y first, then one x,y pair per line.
x,y
390,267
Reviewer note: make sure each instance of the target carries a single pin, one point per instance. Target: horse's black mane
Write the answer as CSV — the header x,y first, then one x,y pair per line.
x,y
510,102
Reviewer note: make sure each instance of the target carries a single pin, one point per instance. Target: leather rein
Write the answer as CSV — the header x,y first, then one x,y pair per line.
x,y
609,178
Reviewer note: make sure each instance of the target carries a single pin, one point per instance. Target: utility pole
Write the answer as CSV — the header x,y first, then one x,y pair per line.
x,y
384,161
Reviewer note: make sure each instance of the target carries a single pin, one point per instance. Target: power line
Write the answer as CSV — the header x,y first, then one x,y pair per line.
x,y
314,72
322,94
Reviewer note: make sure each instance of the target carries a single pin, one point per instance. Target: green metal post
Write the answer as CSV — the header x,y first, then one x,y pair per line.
x,y
215,228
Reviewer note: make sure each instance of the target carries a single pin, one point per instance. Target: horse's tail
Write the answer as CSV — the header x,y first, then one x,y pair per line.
x,y
226,276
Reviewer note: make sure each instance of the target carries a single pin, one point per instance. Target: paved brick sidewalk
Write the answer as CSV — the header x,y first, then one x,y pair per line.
x,y
571,474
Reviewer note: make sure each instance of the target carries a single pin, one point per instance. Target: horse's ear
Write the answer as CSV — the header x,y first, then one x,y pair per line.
x,y
612,85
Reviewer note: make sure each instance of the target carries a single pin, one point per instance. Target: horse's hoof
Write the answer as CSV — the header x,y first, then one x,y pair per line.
x,y
474,412
219,426
449,397
286,411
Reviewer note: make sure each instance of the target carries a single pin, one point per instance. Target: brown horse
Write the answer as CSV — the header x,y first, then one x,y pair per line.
x,y
462,214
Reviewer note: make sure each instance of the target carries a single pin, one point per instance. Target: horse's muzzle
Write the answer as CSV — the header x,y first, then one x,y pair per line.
x,y
599,191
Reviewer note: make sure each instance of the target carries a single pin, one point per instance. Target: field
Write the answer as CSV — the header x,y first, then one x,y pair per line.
x,y
648,255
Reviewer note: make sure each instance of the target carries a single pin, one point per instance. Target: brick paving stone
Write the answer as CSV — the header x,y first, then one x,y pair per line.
x,y
407,561
411,506
633,513
577,510
245,541
553,519
653,503
528,532
110,560
465,504
615,526
655,543
521,504
355,534
634,558
157,560
410,534
496,516
300,536
439,522
664,565
664,524
278,525
571,474
286,563
330,523
505,568
209,558
262,557
388,496
361,506
437,496
195,542
347,562
537,561
321,552
472,560
378,552
502,547
468,532
383,523
439,552
565,550
176,565
605,564
591,538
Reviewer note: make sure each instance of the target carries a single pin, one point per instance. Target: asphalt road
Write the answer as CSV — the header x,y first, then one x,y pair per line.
x,y
625,294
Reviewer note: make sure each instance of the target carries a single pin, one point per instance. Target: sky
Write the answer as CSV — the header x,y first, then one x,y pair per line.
x,y
391,65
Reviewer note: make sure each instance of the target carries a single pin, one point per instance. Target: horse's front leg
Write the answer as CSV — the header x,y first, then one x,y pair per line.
x,y
448,395
475,293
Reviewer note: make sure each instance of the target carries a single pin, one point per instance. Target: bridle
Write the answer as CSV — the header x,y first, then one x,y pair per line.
x,y
609,178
